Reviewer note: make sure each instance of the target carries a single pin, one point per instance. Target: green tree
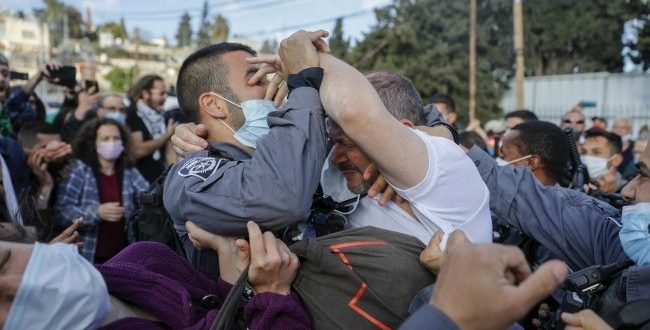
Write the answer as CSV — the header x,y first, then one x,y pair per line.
x,y
184,34
563,35
203,36
118,30
121,79
639,47
427,41
219,30
338,44
53,15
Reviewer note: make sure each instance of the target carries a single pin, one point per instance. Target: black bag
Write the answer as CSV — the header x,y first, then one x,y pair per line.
x,y
362,278
151,222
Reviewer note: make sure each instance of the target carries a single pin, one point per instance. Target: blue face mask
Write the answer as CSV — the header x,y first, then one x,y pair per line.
x,y
59,290
256,125
635,234
117,116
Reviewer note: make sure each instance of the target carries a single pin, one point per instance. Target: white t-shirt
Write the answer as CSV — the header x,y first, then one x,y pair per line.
x,y
451,196
368,212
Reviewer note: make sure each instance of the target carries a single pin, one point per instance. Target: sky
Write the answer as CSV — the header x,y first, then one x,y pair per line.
x,y
255,19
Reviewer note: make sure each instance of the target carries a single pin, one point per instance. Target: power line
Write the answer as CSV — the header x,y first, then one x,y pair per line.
x,y
302,25
171,11
176,15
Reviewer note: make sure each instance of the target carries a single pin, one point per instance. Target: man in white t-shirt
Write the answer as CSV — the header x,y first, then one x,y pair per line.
x,y
441,185
450,193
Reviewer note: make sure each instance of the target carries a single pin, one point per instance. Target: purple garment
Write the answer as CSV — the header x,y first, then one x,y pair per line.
x,y
152,277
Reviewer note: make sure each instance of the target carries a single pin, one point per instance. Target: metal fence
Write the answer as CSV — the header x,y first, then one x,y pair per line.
x,y
616,95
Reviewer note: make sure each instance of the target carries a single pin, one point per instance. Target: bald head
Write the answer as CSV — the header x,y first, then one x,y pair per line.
x,y
622,127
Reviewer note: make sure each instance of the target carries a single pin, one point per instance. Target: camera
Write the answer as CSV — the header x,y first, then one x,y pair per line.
x,y
326,217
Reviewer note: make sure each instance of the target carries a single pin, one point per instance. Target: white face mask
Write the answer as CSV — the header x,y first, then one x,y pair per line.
x,y
333,182
59,290
596,166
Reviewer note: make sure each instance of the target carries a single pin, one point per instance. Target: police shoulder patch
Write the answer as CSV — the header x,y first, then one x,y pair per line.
x,y
200,167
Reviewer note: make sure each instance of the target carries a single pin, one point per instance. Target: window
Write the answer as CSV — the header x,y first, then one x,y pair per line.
x,y
28,34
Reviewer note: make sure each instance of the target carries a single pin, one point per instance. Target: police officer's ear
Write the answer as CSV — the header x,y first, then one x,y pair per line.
x,y
407,123
213,106
534,163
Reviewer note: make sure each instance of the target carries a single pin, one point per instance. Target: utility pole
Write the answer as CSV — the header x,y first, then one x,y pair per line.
x,y
472,61
66,36
518,19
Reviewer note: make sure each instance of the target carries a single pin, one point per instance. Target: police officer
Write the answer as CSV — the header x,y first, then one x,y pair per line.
x,y
251,170
574,227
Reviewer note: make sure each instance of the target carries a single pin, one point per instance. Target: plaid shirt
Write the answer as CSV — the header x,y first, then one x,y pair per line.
x,y
78,197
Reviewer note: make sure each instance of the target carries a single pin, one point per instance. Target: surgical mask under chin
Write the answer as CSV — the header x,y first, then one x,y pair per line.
x,y
503,162
59,290
596,166
635,234
256,124
334,183
117,116
110,150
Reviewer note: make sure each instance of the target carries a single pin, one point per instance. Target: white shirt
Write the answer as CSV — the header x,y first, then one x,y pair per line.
x,y
451,196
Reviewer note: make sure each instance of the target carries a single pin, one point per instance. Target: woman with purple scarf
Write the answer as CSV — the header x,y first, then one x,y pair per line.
x,y
146,286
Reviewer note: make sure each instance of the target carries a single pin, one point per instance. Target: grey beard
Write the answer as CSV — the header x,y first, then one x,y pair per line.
x,y
361,189
364,186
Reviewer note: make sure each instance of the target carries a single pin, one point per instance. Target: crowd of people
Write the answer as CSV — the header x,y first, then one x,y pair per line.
x,y
319,198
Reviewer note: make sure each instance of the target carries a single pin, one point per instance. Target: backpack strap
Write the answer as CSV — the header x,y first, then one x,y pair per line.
x,y
231,307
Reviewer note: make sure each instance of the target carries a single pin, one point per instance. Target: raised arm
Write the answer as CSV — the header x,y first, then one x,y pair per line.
x,y
575,227
351,101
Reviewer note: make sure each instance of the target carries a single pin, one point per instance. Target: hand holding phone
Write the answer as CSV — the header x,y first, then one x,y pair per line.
x,y
61,75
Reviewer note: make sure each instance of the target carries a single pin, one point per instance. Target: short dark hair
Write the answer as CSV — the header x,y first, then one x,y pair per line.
x,y
27,134
84,149
525,115
614,141
143,84
399,95
203,72
444,99
547,141
469,139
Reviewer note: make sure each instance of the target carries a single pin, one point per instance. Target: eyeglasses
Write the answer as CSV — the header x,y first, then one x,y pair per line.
x,y
579,122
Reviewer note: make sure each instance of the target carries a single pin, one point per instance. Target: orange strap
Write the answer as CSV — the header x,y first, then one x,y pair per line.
x,y
336,248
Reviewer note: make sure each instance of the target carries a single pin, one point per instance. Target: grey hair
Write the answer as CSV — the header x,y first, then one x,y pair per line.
x,y
399,95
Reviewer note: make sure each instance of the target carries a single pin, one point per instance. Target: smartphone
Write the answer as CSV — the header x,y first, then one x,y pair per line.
x,y
15,75
67,75
91,83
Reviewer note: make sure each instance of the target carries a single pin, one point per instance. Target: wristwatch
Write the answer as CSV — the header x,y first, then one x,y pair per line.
x,y
248,293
